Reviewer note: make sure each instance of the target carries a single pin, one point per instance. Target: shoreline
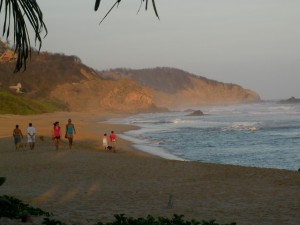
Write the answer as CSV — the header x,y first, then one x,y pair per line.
x,y
87,184
145,144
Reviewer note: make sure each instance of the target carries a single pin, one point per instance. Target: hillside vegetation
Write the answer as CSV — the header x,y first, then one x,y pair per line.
x,y
22,105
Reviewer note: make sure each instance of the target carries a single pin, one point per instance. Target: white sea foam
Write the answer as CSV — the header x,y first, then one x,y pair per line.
x,y
146,146
250,134
245,126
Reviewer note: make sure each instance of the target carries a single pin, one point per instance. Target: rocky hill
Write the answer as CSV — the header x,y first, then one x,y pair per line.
x,y
64,80
174,88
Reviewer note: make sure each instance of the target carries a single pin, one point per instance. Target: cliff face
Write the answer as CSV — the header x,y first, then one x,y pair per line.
x,y
173,88
104,95
56,77
203,93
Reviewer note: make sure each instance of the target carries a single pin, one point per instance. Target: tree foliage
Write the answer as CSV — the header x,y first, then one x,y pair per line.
x,y
17,14
20,13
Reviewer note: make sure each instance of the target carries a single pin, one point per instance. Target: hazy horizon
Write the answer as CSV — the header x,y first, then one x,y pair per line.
x,y
255,44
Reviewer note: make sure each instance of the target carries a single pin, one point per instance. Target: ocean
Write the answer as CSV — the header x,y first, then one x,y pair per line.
x,y
265,135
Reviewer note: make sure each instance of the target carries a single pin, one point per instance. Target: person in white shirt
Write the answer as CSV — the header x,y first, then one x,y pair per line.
x,y
104,141
31,136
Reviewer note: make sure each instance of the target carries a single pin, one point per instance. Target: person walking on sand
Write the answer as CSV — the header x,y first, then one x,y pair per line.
x,y
56,134
113,140
104,141
70,131
31,136
18,136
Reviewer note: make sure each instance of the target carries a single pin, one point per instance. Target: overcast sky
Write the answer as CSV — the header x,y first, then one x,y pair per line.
x,y
253,43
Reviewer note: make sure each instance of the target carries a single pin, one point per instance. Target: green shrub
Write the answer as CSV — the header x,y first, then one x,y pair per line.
x,y
48,221
13,208
121,219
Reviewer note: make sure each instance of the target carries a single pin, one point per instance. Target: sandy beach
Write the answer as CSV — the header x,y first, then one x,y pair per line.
x,y
86,185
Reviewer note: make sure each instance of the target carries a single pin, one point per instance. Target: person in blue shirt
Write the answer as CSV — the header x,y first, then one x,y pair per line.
x,y
70,131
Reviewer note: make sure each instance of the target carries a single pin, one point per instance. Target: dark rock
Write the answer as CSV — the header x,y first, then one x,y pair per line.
x,y
291,100
196,113
189,110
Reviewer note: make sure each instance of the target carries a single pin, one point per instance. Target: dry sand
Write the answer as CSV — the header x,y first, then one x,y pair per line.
x,y
87,184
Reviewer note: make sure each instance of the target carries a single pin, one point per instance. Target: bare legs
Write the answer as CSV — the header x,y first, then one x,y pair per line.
x,y
31,145
56,143
70,142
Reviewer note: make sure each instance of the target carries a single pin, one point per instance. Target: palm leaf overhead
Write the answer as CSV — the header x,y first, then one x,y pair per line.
x,y
97,4
17,14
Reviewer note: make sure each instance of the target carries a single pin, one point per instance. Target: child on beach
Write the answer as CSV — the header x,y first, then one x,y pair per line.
x,y
113,140
104,141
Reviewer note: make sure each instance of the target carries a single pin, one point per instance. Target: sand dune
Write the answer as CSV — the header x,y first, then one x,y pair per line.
x,y
87,184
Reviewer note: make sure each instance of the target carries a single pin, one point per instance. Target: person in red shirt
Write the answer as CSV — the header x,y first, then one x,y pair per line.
x,y
113,140
56,134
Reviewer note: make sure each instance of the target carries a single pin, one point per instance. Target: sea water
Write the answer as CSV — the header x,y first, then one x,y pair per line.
x,y
265,134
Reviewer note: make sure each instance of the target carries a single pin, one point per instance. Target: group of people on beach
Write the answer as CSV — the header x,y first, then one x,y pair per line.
x,y
112,140
56,135
109,143
18,136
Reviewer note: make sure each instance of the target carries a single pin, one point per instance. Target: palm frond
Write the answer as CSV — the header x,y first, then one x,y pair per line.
x,y
97,3
116,4
22,12
155,10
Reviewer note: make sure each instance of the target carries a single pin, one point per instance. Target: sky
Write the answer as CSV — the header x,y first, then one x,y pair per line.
x,y
252,43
